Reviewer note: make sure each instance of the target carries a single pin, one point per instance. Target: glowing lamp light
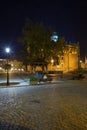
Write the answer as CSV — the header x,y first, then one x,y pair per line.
x,y
7,50
80,61
52,61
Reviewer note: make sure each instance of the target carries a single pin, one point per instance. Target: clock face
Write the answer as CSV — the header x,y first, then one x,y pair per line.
x,y
54,37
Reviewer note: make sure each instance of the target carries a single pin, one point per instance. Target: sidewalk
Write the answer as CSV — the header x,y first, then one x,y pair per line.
x,y
20,83
3,83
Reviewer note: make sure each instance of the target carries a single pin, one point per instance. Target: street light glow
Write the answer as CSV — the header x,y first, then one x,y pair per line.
x,y
52,61
7,50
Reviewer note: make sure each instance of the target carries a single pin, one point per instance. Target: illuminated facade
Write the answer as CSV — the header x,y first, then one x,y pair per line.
x,y
69,61
85,62
16,66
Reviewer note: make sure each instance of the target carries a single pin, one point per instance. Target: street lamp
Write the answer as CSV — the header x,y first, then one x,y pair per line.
x,y
7,50
52,61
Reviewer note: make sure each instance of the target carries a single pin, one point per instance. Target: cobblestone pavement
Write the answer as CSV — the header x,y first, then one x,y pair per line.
x,y
61,106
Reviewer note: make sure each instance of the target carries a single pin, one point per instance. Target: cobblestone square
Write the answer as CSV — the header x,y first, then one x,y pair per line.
x,y
61,106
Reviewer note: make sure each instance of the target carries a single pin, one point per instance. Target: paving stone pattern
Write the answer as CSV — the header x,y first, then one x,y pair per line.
x,y
60,106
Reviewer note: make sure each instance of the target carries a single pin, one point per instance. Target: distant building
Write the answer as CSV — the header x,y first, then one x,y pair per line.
x,y
16,66
85,62
69,61
2,61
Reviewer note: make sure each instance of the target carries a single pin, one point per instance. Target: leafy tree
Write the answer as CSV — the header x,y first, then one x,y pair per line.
x,y
58,49
25,39
35,41
37,47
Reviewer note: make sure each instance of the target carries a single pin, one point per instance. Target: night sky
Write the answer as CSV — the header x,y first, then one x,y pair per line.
x,y
67,17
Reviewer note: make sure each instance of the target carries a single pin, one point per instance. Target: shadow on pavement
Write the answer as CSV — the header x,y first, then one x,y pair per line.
x,y
8,126
11,83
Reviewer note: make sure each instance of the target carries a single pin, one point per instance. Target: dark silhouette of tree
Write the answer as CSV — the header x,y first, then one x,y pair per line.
x,y
36,45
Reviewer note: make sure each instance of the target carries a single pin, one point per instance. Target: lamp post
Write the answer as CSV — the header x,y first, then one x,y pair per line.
x,y
7,50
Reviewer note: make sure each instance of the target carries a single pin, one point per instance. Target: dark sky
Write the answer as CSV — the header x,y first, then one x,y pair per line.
x,y
66,17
